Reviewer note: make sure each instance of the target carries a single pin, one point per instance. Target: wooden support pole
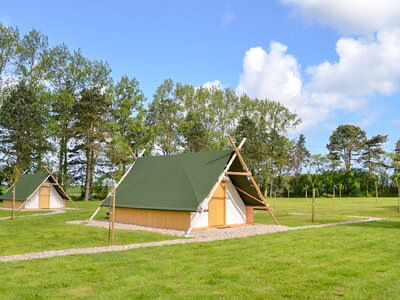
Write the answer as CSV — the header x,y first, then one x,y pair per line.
x,y
398,198
334,198
252,179
313,206
133,154
13,204
113,218
247,194
237,173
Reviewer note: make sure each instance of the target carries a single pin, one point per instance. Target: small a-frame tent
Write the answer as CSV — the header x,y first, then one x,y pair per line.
x,y
188,191
36,191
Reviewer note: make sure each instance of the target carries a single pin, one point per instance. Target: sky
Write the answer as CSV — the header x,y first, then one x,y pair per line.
x,y
331,62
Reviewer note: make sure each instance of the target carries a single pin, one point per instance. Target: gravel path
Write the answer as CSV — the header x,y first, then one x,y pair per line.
x,y
205,235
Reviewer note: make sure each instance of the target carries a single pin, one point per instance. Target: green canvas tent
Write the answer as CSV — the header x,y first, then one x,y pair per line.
x,y
33,191
160,190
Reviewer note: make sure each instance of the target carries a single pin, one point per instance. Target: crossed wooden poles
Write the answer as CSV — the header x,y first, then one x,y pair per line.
x,y
226,171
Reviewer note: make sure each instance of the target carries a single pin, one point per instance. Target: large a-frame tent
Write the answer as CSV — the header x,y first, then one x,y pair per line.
x,y
36,191
188,191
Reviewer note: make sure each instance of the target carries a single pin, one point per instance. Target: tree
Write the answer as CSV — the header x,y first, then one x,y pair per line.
x,y
90,121
29,57
9,39
164,118
66,73
346,142
127,128
21,123
371,156
300,156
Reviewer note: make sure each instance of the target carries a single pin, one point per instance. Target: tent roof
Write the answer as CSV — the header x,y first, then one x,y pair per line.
x,y
177,182
27,184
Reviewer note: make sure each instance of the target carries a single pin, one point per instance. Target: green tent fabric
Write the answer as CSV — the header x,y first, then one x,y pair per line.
x,y
177,182
25,186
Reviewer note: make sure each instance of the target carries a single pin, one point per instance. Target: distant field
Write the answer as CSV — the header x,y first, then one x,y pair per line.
x,y
352,261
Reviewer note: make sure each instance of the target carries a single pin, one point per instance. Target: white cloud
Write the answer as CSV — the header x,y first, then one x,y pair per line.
x,y
213,84
349,16
363,69
275,75
396,122
227,18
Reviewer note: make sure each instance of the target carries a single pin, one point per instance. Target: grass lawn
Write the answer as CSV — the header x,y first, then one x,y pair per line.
x,y
7,213
353,261
325,210
40,233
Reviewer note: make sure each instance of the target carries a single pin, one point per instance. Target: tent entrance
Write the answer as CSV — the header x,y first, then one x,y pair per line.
x,y
44,197
217,207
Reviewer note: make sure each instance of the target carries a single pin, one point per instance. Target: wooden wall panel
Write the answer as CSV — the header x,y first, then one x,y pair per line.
x,y
217,206
179,220
8,203
249,215
44,197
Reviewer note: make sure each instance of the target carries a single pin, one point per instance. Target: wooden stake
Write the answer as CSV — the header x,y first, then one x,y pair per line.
x,y
313,206
334,198
113,218
252,179
13,204
398,198
109,222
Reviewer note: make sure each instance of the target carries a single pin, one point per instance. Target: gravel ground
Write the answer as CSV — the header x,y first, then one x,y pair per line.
x,y
205,235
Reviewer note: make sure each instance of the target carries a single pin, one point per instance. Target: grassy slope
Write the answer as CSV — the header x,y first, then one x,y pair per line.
x,y
354,261
33,234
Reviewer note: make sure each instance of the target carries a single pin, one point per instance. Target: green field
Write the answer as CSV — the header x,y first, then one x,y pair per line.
x,y
352,261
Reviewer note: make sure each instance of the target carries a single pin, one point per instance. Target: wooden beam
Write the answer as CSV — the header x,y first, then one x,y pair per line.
x,y
133,154
237,173
247,194
252,179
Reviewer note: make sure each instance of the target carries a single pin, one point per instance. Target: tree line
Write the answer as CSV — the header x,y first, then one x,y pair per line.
x,y
62,110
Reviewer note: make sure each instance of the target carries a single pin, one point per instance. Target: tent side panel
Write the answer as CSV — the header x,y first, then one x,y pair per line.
x,y
235,208
33,201
8,203
179,220
56,201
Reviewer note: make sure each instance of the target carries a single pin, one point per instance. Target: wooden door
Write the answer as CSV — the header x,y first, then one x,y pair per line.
x,y
44,197
217,207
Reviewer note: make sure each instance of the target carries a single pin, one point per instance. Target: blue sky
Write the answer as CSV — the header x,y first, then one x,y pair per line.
x,y
333,62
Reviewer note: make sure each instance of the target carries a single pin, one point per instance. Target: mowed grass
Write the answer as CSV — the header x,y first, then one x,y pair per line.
x,y
41,233
7,213
352,261
297,211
